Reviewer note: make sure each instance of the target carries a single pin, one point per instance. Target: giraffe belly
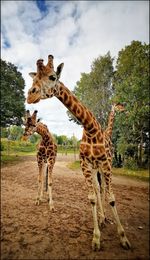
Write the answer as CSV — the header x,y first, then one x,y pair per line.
x,y
94,154
92,149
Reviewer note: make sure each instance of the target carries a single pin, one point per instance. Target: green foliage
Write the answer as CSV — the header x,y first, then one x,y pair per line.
x,y
130,163
61,139
1,147
4,132
13,147
15,132
35,138
12,93
131,84
64,140
94,89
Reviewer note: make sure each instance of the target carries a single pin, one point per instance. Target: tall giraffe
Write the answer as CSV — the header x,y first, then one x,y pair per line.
x,y
93,155
47,151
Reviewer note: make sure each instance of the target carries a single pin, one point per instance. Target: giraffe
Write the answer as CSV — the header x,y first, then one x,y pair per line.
x,y
108,131
93,155
47,151
115,107
108,146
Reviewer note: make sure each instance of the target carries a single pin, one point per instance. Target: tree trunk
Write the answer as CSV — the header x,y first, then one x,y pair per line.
x,y
140,150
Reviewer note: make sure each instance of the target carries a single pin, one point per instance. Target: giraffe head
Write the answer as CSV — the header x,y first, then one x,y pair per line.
x,y
118,107
44,80
30,123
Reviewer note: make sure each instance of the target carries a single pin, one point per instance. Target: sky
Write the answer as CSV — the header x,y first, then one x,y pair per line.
x,y
74,32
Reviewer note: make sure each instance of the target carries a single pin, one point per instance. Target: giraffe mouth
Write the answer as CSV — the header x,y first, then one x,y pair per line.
x,y
33,101
36,101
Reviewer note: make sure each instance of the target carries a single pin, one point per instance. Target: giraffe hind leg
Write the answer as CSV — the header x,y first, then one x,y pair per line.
x,y
46,180
123,238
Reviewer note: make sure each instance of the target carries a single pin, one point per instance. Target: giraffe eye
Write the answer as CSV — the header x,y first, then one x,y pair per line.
x,y
52,77
33,90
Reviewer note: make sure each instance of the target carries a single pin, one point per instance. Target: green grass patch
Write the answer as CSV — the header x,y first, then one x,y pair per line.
x,y
141,174
74,166
10,159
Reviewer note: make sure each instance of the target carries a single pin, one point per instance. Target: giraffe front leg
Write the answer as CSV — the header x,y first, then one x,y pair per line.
x,y
96,232
40,183
51,204
123,238
93,200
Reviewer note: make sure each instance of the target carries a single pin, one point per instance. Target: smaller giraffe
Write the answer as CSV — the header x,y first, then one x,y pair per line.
x,y
108,131
115,107
47,151
109,149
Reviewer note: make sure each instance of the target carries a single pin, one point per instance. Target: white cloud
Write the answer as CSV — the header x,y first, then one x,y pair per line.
x,y
75,32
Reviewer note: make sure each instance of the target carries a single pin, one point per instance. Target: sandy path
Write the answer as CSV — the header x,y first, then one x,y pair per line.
x,y
32,232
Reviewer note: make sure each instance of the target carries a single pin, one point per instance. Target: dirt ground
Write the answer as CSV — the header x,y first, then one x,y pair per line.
x,y
29,231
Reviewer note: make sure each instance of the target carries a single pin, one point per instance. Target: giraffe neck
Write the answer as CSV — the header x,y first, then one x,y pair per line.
x,y
82,114
42,130
110,123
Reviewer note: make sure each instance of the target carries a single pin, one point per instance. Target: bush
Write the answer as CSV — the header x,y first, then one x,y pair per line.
x,y
130,163
2,147
17,146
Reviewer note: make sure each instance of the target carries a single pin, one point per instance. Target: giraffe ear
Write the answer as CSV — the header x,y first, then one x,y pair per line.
x,y
38,120
23,120
32,74
59,69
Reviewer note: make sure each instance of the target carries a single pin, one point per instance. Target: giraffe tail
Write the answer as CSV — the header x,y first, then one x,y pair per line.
x,y
46,182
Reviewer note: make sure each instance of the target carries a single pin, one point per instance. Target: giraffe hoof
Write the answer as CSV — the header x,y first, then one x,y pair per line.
x,y
95,245
51,207
37,202
102,222
126,244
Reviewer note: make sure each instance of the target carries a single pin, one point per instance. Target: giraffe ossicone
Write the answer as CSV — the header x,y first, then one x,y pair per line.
x,y
93,150
46,154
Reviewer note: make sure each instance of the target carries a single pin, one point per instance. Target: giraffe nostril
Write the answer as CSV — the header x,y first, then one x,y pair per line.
x,y
33,90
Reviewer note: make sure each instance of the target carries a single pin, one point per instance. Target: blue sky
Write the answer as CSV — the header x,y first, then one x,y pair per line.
x,y
75,32
42,5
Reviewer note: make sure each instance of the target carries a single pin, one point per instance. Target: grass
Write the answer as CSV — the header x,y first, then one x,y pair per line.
x,y
141,174
74,166
9,159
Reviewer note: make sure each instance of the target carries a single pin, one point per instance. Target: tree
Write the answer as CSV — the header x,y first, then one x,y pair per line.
x,y
131,84
15,132
95,88
12,95
61,139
